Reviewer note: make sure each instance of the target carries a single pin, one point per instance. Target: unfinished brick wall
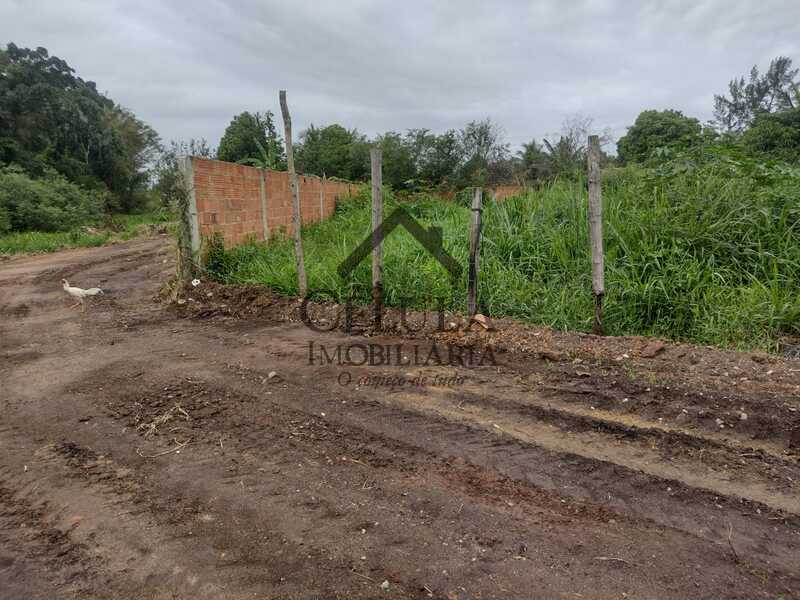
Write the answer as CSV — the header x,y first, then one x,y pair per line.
x,y
501,192
229,199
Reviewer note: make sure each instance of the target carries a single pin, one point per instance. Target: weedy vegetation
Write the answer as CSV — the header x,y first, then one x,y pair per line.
x,y
705,248
118,228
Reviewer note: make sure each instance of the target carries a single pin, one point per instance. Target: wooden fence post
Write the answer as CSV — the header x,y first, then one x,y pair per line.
x,y
296,221
596,232
322,197
377,243
474,252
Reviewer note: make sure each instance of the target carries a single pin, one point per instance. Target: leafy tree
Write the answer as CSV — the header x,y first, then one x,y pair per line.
x,y
565,157
452,160
253,138
333,151
399,168
533,164
504,171
483,145
438,158
46,109
774,91
483,140
165,173
52,119
137,147
360,166
776,135
655,129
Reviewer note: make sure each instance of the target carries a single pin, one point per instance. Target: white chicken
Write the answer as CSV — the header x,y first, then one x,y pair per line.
x,y
79,293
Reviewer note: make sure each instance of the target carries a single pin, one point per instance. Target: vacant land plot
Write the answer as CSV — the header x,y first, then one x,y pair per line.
x,y
196,450
708,253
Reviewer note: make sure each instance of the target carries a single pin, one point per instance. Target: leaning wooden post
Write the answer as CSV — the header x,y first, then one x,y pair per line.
x,y
296,221
377,236
474,252
596,232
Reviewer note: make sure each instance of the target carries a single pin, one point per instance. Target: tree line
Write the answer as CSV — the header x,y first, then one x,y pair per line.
x,y
475,154
759,114
69,153
417,159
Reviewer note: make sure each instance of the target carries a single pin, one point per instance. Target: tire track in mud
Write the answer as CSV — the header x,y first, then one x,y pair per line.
x,y
653,393
123,259
662,494
271,434
659,492
176,543
297,488
35,300
770,465
291,551
763,514
416,441
775,468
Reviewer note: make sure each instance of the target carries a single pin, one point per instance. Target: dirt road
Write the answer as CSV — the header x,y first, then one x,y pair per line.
x,y
170,452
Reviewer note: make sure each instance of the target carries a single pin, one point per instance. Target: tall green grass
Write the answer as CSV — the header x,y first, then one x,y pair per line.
x,y
123,227
706,250
40,242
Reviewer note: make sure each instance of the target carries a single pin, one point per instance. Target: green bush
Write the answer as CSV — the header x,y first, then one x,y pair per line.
x,y
38,242
5,221
124,227
775,135
48,204
657,130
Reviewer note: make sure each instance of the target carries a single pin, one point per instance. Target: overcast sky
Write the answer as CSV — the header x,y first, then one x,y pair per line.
x,y
187,67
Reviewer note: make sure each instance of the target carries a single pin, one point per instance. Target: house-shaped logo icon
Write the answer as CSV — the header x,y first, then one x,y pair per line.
x,y
431,240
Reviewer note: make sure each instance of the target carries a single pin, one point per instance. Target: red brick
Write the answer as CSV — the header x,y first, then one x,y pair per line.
x,y
229,200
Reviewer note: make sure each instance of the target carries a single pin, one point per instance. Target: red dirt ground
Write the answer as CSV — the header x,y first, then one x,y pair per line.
x,y
156,450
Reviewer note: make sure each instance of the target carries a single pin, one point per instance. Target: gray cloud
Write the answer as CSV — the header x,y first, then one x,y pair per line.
x,y
187,68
